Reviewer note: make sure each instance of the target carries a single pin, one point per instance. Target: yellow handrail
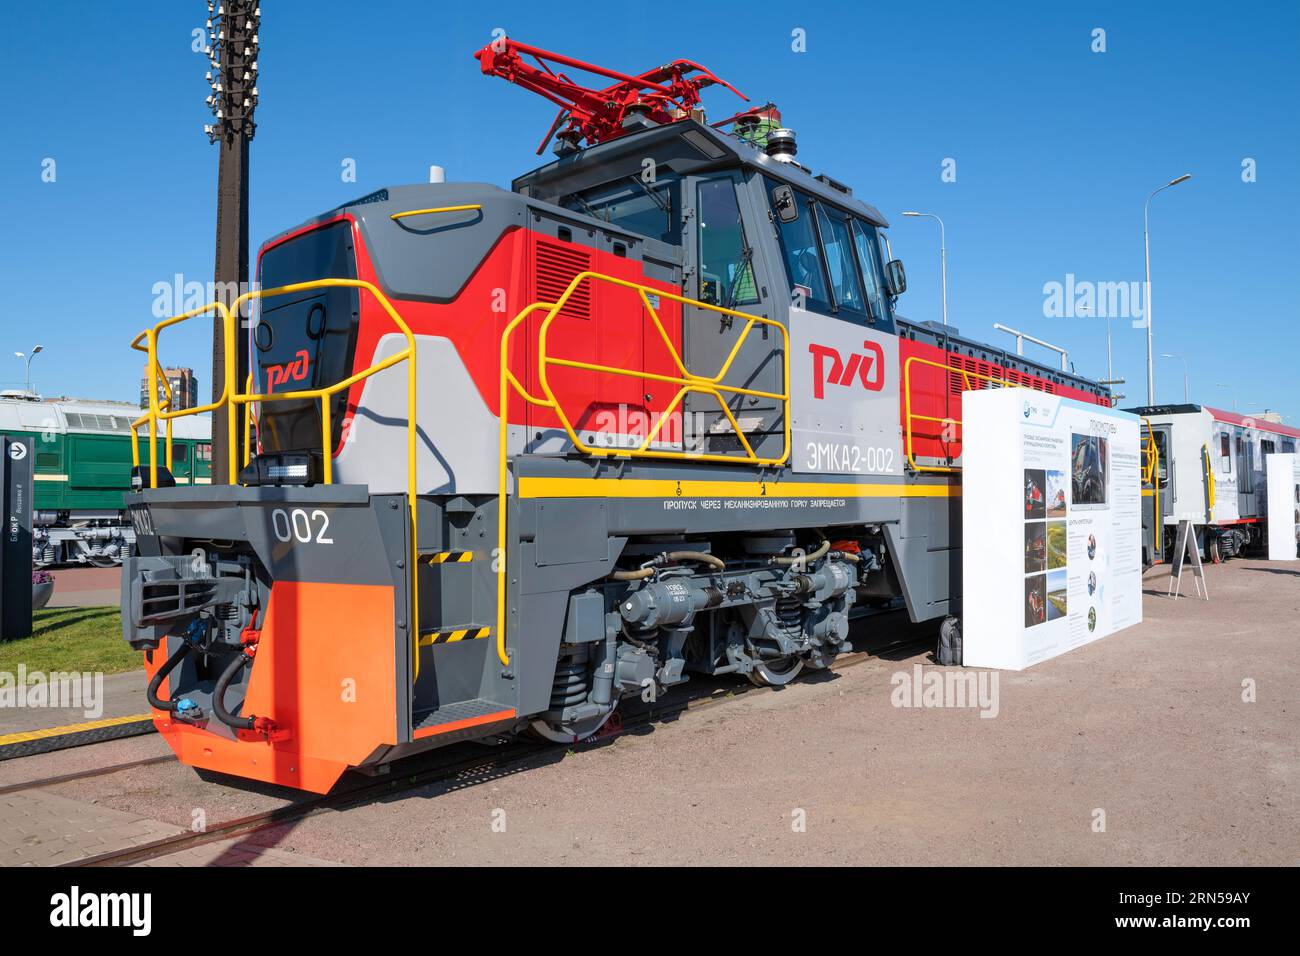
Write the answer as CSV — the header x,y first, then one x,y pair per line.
x,y
1150,453
231,395
165,411
424,212
1211,487
687,382
909,415
248,422
1151,476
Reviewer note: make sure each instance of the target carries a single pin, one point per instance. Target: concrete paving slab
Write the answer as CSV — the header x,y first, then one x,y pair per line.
x,y
44,829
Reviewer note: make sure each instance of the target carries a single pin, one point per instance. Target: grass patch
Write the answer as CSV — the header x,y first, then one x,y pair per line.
x,y
72,639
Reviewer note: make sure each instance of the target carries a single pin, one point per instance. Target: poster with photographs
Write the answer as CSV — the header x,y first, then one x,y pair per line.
x,y
1078,575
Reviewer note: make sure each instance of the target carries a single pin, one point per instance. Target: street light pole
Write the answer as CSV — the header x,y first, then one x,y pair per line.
x,y
27,383
943,256
1146,242
1231,393
1184,361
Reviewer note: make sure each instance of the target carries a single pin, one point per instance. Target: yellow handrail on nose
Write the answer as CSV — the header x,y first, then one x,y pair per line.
x,y
231,396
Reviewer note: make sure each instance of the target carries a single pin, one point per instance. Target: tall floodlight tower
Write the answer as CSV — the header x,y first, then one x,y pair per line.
x,y
232,51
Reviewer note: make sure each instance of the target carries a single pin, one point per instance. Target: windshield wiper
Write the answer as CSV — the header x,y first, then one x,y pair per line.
x,y
654,196
732,286
593,213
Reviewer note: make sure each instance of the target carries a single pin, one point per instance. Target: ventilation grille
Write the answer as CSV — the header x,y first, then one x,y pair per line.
x,y
957,382
88,421
554,268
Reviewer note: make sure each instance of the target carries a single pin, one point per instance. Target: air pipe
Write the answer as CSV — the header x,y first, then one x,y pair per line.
x,y
151,692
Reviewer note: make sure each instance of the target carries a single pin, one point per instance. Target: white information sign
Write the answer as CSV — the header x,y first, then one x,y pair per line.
x,y
1283,473
1051,526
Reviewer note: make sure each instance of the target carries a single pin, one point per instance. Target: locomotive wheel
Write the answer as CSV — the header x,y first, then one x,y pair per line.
x,y
104,562
775,673
1215,556
571,733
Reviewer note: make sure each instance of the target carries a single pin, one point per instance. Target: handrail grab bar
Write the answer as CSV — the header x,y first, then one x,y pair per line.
x,y
232,396
687,382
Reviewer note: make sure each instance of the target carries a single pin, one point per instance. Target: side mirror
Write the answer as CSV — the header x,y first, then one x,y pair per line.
x,y
787,210
895,277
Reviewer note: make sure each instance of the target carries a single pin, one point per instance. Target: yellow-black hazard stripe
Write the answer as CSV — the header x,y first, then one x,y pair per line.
x,y
448,557
451,637
27,736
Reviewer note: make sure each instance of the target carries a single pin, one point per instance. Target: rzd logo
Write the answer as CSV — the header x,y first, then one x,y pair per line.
x,y
869,368
294,371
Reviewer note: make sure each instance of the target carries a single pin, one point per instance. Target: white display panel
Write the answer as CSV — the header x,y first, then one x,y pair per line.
x,y
1283,472
1051,526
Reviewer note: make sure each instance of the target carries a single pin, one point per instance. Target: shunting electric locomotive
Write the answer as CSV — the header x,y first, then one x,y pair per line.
x,y
514,455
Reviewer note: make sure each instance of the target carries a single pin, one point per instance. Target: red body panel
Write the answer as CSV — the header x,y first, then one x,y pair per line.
x,y
522,268
936,394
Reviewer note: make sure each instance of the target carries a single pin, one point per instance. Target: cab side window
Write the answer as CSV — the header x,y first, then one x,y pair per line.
x,y
1162,456
726,258
649,209
864,239
846,286
803,258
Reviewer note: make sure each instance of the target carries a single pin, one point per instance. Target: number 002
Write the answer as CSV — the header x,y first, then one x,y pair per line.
x,y
298,525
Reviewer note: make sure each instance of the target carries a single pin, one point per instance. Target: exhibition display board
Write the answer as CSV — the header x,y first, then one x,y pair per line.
x,y
1051,525
1283,475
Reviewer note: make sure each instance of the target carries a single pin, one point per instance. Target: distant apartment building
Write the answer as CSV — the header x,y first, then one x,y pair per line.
x,y
184,386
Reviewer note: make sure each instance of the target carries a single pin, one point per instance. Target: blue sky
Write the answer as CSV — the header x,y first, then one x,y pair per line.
x,y
1056,148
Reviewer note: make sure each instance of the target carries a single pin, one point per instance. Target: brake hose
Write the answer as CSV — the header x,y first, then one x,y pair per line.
x,y
805,558
670,557
241,661
151,692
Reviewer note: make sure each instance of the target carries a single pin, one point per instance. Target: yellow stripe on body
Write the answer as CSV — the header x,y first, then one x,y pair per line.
x,y
45,732
669,488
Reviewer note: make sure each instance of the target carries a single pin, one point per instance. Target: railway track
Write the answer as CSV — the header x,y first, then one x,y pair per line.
x,y
454,774
84,774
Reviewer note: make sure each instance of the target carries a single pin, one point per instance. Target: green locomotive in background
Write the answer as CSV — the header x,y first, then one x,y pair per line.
x,y
83,467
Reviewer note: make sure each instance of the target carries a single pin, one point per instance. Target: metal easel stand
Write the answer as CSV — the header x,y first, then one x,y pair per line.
x,y
1186,549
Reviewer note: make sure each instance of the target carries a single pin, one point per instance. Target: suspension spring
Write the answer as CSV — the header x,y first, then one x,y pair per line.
x,y
571,685
789,612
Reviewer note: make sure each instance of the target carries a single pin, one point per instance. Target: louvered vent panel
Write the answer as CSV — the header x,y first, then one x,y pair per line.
x,y
957,383
554,268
